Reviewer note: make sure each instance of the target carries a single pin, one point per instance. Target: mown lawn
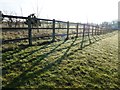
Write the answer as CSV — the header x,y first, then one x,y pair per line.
x,y
64,65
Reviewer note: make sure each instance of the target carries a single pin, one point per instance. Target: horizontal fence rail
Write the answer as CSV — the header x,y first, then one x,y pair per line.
x,y
52,27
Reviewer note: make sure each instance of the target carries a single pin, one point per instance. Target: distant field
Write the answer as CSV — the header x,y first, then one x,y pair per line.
x,y
63,65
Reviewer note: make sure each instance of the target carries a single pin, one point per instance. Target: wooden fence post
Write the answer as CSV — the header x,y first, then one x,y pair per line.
x,y
77,30
67,30
53,34
83,36
88,30
29,31
89,33
100,30
95,30
92,30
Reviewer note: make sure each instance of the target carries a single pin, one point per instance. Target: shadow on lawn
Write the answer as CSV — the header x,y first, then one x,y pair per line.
x,y
22,47
34,59
89,39
15,63
21,79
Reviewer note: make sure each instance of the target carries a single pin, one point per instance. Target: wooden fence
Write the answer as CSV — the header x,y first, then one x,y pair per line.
x,y
80,29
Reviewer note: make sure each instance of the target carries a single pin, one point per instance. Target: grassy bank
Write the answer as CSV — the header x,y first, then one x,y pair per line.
x,y
64,65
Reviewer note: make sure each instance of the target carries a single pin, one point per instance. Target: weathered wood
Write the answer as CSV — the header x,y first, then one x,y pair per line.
x,y
11,16
77,30
13,40
88,29
29,31
53,34
96,30
67,30
83,36
92,30
89,34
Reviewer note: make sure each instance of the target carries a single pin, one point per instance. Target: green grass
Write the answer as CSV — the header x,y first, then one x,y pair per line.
x,y
64,65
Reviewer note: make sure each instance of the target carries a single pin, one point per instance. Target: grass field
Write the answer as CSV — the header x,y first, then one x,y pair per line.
x,y
64,65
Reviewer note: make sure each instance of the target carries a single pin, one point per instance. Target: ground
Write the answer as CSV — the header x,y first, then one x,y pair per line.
x,y
64,64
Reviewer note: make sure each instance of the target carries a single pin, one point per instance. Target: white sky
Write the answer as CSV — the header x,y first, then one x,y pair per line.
x,y
93,11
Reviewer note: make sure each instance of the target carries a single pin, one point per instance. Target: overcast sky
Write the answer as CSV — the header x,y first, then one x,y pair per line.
x,y
93,11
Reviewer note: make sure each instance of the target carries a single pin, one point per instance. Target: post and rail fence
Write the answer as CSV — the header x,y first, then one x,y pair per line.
x,y
75,29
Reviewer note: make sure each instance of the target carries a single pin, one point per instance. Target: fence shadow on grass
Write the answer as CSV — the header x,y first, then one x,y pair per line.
x,y
15,63
39,58
22,47
23,77
96,38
